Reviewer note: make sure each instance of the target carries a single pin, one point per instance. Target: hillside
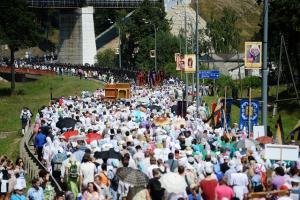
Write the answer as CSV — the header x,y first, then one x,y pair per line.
x,y
248,12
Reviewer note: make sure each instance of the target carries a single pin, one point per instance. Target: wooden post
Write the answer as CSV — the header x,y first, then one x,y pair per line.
x,y
249,109
225,102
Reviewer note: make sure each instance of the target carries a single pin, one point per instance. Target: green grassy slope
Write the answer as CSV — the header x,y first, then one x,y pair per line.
x,y
33,95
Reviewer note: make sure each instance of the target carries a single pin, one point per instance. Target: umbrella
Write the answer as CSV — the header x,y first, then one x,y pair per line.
x,y
264,140
77,138
66,123
111,153
154,107
173,183
132,176
69,134
161,121
91,137
245,143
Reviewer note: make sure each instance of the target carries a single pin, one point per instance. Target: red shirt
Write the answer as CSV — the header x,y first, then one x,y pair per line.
x,y
208,188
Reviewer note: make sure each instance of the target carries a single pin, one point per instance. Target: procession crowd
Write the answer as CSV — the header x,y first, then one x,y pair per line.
x,y
143,148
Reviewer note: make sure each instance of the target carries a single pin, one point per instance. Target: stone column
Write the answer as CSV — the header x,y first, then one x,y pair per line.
x,y
77,36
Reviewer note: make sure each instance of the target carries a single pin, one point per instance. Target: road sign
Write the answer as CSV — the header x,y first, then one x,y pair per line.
x,y
209,74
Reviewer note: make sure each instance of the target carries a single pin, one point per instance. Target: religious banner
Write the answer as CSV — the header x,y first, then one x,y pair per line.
x,y
253,55
152,54
180,62
247,111
190,63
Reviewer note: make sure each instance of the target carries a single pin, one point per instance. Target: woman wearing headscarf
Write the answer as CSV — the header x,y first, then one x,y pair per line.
x,y
48,150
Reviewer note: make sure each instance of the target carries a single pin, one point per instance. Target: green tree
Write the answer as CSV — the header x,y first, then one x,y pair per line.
x,y
167,46
223,32
107,58
136,29
19,29
284,19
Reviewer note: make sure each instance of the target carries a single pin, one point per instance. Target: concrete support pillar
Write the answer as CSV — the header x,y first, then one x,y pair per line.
x,y
77,36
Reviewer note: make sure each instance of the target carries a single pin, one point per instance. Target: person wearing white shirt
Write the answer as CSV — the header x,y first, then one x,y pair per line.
x,y
87,171
153,165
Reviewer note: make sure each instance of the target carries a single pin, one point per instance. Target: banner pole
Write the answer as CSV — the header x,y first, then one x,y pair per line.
x,y
249,109
225,104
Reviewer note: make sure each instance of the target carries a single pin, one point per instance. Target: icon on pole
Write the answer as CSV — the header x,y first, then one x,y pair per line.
x,y
152,54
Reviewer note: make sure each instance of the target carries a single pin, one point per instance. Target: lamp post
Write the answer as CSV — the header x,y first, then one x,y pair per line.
x,y
197,59
120,54
265,68
155,41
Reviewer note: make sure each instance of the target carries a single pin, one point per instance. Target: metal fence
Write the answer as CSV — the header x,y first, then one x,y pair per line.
x,y
82,3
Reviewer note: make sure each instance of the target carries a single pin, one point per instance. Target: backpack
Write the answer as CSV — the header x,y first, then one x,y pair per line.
x,y
5,174
57,161
73,171
24,117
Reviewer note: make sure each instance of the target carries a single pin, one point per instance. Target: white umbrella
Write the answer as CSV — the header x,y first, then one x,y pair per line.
x,y
173,183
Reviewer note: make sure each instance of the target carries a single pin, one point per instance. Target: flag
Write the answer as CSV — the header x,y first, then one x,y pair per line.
x,y
216,111
279,131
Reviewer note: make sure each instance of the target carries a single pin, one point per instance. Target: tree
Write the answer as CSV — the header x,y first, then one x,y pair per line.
x,y
136,29
223,32
284,19
19,29
107,58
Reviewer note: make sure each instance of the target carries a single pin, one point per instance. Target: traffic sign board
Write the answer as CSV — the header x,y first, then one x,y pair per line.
x,y
209,74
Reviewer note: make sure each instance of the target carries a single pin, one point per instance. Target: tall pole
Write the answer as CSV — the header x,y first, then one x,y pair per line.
x,y
155,47
249,112
197,58
120,50
186,50
265,68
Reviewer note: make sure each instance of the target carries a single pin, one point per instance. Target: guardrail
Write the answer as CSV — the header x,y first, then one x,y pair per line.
x,y
31,162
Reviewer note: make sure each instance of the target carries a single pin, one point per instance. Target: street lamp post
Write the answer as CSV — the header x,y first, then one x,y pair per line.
x,y
155,42
265,68
197,59
120,51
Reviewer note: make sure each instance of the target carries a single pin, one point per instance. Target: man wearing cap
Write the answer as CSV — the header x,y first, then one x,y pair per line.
x,y
239,181
18,193
295,191
208,184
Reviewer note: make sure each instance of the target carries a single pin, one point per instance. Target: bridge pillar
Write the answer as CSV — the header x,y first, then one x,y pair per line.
x,y
77,36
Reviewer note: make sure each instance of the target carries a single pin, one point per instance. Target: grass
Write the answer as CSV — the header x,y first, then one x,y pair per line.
x,y
289,110
33,95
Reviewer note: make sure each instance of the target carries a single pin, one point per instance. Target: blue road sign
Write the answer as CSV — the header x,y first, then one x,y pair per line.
x,y
209,74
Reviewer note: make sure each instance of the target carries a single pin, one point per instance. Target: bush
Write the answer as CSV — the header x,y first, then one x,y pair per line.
x,y
252,81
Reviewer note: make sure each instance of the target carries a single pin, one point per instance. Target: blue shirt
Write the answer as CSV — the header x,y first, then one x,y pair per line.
x,y
78,155
40,140
34,194
197,198
17,197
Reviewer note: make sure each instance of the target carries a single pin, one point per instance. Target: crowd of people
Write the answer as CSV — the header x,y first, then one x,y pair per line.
x,y
179,157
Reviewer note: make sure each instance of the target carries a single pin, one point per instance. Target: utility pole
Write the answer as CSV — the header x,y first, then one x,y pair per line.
x,y
197,58
265,68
